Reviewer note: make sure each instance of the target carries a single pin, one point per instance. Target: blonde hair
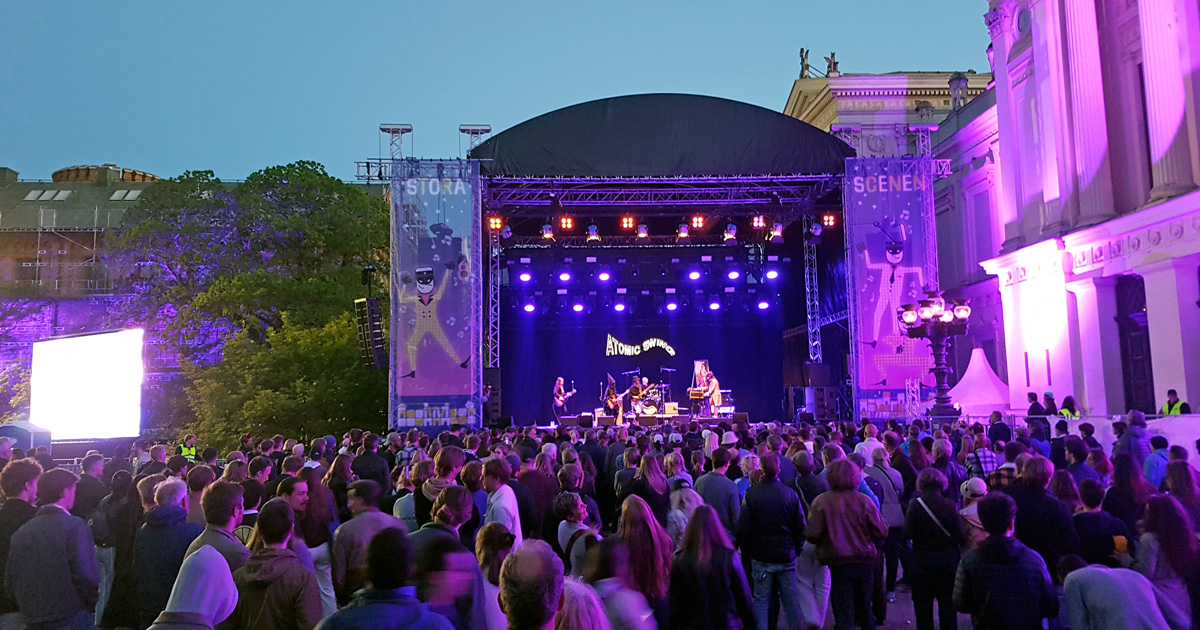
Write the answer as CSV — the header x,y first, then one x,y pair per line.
x,y
581,608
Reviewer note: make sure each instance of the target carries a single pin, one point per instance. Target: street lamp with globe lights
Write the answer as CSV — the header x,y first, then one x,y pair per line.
x,y
939,322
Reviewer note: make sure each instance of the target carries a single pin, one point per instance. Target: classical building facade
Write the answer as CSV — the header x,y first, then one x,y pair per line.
x,y
1074,188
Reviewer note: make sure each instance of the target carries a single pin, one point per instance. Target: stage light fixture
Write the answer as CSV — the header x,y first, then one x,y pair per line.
x,y
829,220
564,276
683,237
593,234
714,305
816,230
762,306
619,307
525,276
578,308
759,222
604,276
695,275
548,232
566,223
495,223
698,222
731,234
529,308
734,274
643,231
776,235
772,274
506,232
671,306
627,223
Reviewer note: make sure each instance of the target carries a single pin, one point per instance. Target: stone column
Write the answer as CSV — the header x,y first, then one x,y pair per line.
x,y
999,23
1172,292
1165,100
1099,381
1090,124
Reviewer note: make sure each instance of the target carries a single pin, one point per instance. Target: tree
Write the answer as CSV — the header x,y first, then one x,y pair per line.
x,y
14,393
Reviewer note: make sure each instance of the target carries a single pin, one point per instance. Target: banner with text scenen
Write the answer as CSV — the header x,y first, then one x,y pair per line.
x,y
888,247
436,294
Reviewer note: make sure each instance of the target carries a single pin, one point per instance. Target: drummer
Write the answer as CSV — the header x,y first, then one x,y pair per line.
x,y
640,390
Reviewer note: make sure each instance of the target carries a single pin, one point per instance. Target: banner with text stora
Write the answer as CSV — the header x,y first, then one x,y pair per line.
x,y
436,295
890,256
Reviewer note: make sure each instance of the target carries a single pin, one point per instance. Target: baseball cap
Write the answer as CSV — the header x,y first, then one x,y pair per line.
x,y
676,438
974,488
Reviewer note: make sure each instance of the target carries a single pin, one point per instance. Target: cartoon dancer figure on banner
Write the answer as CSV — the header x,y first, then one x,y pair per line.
x,y
895,278
425,304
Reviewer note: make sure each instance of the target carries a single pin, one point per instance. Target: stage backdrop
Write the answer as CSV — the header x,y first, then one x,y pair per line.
x,y
742,347
436,293
891,261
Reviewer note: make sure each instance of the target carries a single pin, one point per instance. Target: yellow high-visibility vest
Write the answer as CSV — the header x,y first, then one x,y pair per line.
x,y
188,451
1169,410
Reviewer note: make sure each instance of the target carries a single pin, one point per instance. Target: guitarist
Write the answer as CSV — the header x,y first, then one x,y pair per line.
x,y
614,402
560,399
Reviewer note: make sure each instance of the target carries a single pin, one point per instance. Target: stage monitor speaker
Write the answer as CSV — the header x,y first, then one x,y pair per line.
x,y
671,409
647,421
587,420
369,316
741,417
491,377
680,420
568,421
607,421
816,375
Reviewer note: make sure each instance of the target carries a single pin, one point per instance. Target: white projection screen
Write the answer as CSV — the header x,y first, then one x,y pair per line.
x,y
88,387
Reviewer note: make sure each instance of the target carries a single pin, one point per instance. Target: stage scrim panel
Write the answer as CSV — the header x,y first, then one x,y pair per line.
x,y
436,293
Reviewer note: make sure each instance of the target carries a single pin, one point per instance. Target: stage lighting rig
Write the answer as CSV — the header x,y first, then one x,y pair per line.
x,y
776,235
628,223
566,223
731,234
495,223
547,232
829,220
683,237
759,222
643,231
593,235
698,222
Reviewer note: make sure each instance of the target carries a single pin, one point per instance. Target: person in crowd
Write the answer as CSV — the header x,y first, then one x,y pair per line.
x,y
901,463
160,547
1099,462
575,536
541,480
870,443
998,430
1058,448
608,572
119,461
771,529
1155,467
933,525
315,527
676,468
52,572
405,507
223,505
203,595
19,482
523,494
157,463
338,480
472,478
581,608
260,469
749,465
943,462
684,501
236,471
1003,584
1174,406
1043,522
708,588
1006,473
1097,529
627,465
812,577
569,478
891,486
370,465
1181,483
350,541
1098,597
1087,432
844,525
275,591
531,586
252,499
112,532
178,467
1134,440
1166,553
198,478
502,501
650,554
650,485
90,489
719,492
972,491
461,599
1062,487
447,464
1126,498
493,543
981,461
295,492
1075,453
289,467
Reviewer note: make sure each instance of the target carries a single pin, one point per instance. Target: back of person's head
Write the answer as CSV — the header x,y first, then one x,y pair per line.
x,y
17,474
803,460
366,489
942,448
1159,442
90,462
531,585
497,469
276,521
172,492
292,464
371,442
1037,471
220,500
252,493
720,458
448,460
704,534
54,484
570,477
769,464
453,506
493,543
996,512
209,455
121,484
259,464
1091,493
831,453
581,608
843,475
1061,426
891,440
1076,447
608,559
1137,418
200,477
158,453
389,559
931,481
145,488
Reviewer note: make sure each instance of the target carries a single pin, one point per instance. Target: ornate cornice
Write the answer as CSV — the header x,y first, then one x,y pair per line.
x,y
1140,242
999,19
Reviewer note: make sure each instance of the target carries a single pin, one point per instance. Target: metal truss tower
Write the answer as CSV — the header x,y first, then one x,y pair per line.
x,y
491,335
812,296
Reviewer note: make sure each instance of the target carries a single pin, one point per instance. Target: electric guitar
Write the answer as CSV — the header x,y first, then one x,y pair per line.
x,y
616,402
559,401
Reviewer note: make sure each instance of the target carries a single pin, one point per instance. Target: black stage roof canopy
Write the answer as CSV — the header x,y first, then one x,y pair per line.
x,y
661,135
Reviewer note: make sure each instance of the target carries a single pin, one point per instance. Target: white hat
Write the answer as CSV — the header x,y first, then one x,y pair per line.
x,y
676,438
730,438
705,433
658,438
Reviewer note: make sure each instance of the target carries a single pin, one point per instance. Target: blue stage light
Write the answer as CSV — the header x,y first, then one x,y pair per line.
x,y
762,306
772,274
712,306
578,308
619,307
529,308
604,276
564,276
672,306
695,275
525,277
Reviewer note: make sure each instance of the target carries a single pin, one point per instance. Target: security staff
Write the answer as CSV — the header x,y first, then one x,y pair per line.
x,y
1174,406
188,448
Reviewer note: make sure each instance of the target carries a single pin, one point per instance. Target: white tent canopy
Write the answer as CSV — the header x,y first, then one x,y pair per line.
x,y
979,391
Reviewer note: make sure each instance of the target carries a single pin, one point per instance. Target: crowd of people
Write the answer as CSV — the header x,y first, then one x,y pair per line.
x,y
682,526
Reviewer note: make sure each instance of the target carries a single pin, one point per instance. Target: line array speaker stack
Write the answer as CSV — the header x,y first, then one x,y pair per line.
x,y
369,314
491,409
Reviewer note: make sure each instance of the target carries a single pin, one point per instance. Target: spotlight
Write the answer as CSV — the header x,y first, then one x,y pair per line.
x,y
714,305
548,232
772,274
698,222
671,306
506,232
564,276
578,308
829,220
762,306
695,275
566,223
627,223
619,307
776,235
682,236
731,234
734,275
643,231
759,222
525,277
604,276
593,234
495,223
529,308
816,229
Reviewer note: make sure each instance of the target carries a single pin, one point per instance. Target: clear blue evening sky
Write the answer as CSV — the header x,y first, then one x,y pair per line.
x,y
234,86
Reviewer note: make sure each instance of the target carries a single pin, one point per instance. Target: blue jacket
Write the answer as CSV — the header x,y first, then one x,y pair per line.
x,y
1004,585
1155,468
52,569
396,609
158,552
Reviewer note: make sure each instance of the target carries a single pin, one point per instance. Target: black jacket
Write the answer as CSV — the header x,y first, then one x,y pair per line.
x,y
933,549
52,569
771,527
1096,531
808,488
371,466
159,549
659,502
13,514
524,506
999,432
908,473
1004,585
715,599
88,493
1043,522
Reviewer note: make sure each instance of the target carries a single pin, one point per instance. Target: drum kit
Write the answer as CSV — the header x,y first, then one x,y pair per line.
x,y
651,402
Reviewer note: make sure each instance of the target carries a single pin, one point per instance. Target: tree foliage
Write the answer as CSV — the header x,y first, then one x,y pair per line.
x,y
14,393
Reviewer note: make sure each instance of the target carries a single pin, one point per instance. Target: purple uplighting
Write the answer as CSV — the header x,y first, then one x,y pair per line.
x,y
772,274
604,276
762,306
672,306
578,308
695,275
528,308
564,276
712,306
734,275
619,307
525,277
